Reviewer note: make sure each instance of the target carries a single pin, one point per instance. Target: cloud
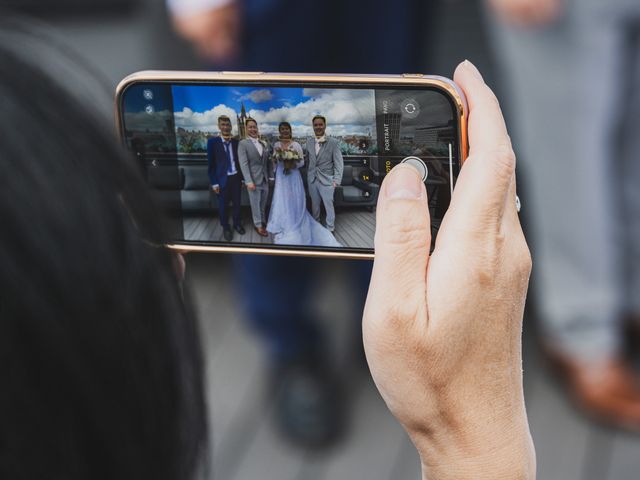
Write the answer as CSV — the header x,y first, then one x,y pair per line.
x,y
355,107
257,96
205,121
348,112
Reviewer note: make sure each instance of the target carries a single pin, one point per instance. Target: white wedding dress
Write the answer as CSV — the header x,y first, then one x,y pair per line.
x,y
289,220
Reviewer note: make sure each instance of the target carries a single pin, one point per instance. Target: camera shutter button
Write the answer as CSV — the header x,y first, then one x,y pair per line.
x,y
419,165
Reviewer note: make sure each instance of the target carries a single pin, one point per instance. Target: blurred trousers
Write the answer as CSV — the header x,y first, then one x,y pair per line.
x,y
573,91
278,293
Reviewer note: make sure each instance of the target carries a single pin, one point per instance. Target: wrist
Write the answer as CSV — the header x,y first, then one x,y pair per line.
x,y
493,452
486,468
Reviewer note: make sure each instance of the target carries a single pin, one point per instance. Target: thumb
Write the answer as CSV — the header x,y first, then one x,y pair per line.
x,y
402,243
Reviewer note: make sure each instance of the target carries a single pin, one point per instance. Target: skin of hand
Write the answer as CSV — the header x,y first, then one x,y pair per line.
x,y
251,186
335,184
528,13
442,333
216,189
215,33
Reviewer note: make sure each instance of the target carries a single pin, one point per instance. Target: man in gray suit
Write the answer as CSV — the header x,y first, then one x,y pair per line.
x,y
325,170
253,156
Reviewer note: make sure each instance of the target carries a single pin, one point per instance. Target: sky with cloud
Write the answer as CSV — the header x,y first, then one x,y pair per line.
x,y
348,111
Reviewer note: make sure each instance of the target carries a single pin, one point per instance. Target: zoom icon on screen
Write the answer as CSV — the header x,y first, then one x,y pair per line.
x,y
419,165
410,108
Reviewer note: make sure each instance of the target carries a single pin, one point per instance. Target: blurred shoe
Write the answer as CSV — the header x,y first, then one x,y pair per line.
x,y
608,391
262,231
309,404
227,234
240,229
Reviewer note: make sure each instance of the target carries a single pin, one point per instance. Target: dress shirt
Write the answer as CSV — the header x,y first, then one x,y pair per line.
x,y
319,141
258,144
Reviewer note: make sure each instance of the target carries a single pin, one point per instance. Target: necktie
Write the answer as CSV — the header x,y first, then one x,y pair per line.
x,y
317,147
226,150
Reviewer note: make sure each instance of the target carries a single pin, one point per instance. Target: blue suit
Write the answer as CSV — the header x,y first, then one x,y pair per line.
x,y
230,185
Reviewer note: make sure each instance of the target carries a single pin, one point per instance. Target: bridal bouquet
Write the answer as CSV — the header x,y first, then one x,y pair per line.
x,y
289,159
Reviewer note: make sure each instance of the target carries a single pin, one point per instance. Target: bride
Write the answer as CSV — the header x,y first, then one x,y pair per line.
x,y
289,220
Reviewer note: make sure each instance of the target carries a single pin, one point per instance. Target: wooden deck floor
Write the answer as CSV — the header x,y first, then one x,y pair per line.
x,y
354,229
246,445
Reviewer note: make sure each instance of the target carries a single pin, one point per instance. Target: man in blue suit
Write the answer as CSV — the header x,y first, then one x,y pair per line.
x,y
226,179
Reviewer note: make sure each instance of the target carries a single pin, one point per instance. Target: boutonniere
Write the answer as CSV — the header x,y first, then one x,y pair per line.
x,y
321,139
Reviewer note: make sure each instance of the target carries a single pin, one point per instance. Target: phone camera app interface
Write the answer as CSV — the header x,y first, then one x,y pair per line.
x,y
287,166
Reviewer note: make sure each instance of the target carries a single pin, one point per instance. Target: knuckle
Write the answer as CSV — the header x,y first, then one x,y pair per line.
x,y
407,230
523,260
391,327
504,159
502,257
489,260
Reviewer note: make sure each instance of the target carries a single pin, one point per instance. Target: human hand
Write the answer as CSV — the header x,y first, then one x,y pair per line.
x,y
214,33
528,13
251,186
335,184
442,333
216,188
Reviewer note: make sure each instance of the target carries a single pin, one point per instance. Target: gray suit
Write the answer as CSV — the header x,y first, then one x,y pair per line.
x,y
582,182
255,169
325,168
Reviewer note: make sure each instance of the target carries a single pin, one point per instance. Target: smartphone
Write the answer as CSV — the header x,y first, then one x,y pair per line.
x,y
289,164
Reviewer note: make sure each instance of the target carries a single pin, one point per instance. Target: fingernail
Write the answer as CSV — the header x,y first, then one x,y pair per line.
x,y
473,70
404,182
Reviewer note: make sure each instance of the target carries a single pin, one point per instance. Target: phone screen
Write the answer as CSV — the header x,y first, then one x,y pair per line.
x,y
286,166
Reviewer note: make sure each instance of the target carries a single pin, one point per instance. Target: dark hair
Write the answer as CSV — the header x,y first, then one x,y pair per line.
x,y
285,124
224,118
99,357
324,120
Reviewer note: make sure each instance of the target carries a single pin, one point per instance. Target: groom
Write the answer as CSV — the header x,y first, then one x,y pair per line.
x,y
254,162
224,173
325,170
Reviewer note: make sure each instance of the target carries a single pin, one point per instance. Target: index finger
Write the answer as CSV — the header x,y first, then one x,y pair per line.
x,y
481,192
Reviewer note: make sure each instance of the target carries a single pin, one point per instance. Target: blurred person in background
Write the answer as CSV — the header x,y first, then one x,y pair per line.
x,y
573,68
349,36
102,374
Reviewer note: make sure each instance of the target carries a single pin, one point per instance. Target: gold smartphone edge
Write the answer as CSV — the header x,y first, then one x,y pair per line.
x,y
270,251
418,80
